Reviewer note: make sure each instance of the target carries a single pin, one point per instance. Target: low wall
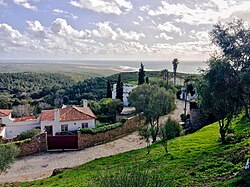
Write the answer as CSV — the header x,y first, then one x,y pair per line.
x,y
88,140
35,145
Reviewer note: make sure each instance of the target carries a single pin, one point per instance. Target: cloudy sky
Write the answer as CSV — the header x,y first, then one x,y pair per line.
x,y
113,29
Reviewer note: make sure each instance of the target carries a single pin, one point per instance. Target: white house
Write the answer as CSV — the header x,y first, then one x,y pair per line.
x,y
66,119
127,88
54,122
15,126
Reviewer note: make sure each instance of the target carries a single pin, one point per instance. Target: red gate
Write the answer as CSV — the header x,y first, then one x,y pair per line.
x,y
62,142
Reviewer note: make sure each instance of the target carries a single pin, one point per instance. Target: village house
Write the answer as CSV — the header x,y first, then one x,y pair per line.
x,y
56,121
11,127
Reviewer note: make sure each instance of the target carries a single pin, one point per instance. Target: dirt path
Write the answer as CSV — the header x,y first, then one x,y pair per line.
x,y
42,165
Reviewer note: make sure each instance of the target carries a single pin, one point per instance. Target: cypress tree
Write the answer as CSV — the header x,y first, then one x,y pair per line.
x,y
109,91
141,75
147,80
119,88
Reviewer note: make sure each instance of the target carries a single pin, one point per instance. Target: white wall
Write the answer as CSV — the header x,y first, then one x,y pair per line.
x,y
127,88
14,130
3,133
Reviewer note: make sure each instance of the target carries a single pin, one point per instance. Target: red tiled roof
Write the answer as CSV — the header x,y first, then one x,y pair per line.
x,y
26,118
4,112
72,113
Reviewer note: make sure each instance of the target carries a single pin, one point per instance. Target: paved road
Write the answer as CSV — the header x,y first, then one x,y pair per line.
x,y
42,165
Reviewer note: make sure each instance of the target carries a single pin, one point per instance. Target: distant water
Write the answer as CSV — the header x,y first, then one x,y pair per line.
x,y
122,65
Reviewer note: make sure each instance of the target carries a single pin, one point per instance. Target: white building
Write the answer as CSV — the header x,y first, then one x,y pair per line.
x,y
127,88
55,121
66,119
15,126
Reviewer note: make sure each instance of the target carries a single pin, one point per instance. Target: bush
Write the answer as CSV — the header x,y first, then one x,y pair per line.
x,y
29,134
8,152
105,118
101,129
135,178
101,125
123,120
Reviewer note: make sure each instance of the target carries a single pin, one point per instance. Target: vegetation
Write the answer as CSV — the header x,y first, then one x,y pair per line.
x,y
141,75
29,134
196,159
8,152
119,88
109,90
100,129
153,102
233,40
175,63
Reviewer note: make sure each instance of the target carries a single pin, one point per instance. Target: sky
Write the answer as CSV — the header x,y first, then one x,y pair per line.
x,y
113,29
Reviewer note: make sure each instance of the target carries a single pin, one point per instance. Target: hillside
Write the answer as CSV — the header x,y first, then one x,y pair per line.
x,y
194,160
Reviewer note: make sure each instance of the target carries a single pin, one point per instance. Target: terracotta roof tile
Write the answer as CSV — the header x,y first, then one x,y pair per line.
x,y
26,118
4,112
72,113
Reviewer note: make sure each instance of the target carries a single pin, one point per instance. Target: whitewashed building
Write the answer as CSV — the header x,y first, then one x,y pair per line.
x,y
127,88
14,126
71,118
66,119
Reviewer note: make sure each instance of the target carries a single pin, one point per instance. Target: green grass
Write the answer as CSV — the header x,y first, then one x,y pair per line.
x,y
193,160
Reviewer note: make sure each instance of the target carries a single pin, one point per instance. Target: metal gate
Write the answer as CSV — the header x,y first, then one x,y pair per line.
x,y
62,142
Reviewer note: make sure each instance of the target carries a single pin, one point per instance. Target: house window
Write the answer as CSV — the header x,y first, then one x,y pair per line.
x,y
85,125
64,128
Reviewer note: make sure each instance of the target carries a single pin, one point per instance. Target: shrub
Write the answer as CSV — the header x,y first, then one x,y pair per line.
x,y
8,152
123,120
135,178
105,118
101,129
29,134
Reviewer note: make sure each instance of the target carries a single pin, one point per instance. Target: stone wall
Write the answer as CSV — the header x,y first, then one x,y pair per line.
x,y
35,145
88,140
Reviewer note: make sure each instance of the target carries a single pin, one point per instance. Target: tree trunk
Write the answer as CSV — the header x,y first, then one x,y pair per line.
x,y
223,135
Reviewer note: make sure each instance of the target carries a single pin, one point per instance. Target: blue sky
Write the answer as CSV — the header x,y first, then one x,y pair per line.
x,y
113,29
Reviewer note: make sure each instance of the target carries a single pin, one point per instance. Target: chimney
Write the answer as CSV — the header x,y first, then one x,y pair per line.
x,y
57,115
85,103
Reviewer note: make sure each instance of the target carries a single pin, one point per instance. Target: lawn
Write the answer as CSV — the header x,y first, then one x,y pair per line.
x,y
196,159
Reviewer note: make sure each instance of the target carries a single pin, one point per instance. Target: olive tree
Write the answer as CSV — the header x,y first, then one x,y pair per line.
x,y
218,91
233,39
8,152
153,102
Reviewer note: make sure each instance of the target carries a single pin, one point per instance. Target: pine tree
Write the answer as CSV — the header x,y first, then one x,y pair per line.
x,y
119,88
141,75
109,91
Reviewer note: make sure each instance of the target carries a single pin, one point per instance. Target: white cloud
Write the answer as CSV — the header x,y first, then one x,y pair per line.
x,y
25,4
140,18
164,36
105,6
65,13
203,13
169,27
144,8
135,23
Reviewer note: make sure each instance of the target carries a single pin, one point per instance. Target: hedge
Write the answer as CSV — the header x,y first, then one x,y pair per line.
x,y
101,129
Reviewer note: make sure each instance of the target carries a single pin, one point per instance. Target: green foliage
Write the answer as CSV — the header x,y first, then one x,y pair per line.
x,y
136,177
219,93
154,102
119,88
29,134
141,75
101,128
169,130
109,91
8,152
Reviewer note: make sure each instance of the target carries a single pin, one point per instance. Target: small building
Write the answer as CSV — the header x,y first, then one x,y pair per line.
x,y
71,118
127,88
11,127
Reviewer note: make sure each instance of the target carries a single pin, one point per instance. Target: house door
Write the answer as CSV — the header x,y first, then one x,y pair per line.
x,y
49,130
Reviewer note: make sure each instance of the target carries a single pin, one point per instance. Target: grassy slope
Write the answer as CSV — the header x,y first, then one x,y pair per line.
x,y
194,160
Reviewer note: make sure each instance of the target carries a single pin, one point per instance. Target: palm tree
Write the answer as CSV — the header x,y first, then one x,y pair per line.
x,y
175,63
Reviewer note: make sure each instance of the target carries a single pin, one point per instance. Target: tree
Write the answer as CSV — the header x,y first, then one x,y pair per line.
x,y
8,152
218,91
234,41
141,75
109,91
119,88
175,63
153,101
169,130
147,80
